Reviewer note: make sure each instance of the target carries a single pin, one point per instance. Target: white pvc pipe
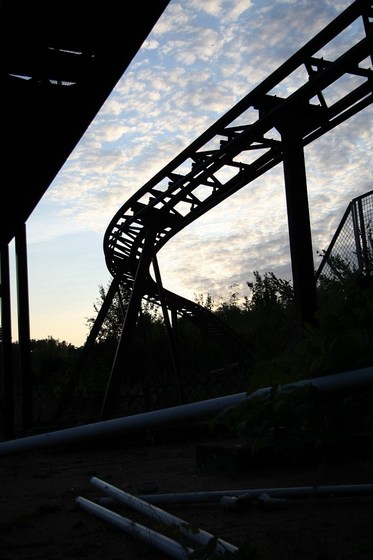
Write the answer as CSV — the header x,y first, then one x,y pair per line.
x,y
191,411
159,541
255,493
197,537
335,382
121,426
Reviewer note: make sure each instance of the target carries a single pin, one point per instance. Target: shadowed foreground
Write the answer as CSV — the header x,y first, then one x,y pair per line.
x,y
40,520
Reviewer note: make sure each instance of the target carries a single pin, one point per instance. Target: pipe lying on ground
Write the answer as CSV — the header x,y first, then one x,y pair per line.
x,y
255,493
195,536
191,411
159,541
121,426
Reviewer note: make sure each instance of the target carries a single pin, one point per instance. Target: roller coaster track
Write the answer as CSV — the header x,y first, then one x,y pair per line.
x,y
240,147
189,185
250,139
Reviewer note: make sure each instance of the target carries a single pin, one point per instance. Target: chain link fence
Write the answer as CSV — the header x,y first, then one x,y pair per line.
x,y
351,249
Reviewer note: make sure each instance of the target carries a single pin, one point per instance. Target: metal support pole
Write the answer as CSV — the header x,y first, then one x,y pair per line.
x,y
129,325
364,241
84,354
6,340
24,329
299,224
355,222
176,339
171,330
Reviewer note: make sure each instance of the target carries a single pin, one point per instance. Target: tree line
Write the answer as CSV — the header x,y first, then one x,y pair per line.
x,y
265,319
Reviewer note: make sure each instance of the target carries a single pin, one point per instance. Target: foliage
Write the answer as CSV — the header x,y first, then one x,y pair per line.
x,y
206,301
269,315
264,319
112,324
269,291
261,320
52,363
289,426
341,340
343,337
302,423
340,268
51,358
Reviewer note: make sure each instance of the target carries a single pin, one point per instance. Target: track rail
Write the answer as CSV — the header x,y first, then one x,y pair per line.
x,y
228,156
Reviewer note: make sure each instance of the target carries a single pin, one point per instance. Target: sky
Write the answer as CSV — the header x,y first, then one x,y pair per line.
x,y
199,60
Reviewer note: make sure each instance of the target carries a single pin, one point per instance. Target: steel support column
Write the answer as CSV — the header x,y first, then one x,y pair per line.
x,y
6,343
364,228
299,224
24,329
129,325
171,330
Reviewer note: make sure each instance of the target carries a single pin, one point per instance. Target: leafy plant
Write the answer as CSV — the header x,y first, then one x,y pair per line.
x,y
302,423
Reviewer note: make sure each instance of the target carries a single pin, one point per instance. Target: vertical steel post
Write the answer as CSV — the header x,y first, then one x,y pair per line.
x,y
24,329
171,330
6,340
364,241
299,223
129,325
355,223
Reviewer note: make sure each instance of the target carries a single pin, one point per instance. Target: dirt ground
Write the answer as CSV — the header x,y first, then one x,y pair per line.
x,y
39,517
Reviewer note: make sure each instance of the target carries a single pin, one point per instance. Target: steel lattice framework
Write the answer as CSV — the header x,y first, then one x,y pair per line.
x,y
269,126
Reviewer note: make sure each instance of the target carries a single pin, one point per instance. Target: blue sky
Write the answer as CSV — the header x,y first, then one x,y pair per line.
x,y
200,59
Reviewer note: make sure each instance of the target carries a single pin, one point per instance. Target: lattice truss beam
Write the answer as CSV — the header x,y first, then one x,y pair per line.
x,y
318,88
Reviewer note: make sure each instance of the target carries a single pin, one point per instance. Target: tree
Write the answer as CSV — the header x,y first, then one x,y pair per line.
x,y
269,314
269,291
112,324
52,362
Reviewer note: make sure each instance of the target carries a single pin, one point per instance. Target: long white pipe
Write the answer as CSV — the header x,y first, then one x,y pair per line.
x,y
121,426
161,542
255,493
191,411
195,536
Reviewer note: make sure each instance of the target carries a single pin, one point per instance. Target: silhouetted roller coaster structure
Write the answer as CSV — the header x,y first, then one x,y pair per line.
x,y
271,125
321,86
